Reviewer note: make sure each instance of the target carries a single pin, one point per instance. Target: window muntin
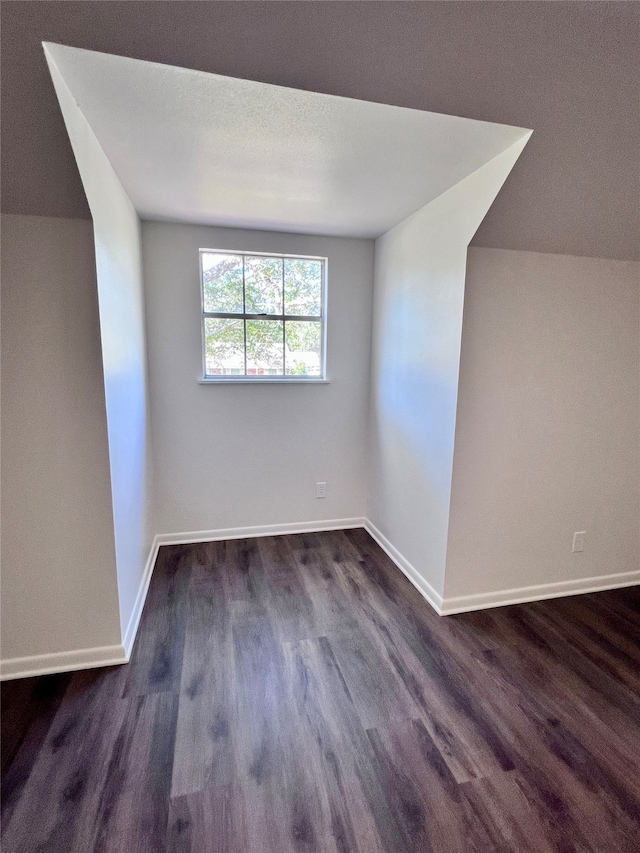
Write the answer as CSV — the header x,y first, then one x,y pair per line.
x,y
263,315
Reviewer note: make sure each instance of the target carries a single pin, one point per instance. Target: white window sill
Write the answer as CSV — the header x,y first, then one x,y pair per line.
x,y
276,380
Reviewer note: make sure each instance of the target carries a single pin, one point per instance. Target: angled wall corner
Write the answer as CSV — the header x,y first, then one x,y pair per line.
x,y
418,313
416,349
117,237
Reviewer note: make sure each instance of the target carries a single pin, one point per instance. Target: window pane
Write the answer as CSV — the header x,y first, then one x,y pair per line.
x,y
222,282
264,347
302,348
302,287
263,285
224,346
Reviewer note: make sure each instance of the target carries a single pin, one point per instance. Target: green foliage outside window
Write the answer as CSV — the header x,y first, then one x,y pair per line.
x,y
262,285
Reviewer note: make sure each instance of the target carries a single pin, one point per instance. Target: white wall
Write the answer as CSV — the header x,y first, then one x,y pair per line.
x,y
59,587
121,304
419,291
548,428
238,455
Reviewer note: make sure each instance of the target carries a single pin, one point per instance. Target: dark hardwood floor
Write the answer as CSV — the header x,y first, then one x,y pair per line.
x,y
296,693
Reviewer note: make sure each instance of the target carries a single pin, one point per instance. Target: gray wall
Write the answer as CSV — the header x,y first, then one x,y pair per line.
x,y
547,434
548,426
59,588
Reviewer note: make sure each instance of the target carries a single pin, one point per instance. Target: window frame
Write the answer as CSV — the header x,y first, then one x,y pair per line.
x,y
321,318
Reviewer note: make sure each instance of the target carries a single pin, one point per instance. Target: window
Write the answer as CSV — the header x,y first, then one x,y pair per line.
x,y
263,316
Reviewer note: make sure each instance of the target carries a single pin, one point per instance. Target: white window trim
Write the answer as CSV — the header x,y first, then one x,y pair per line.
x,y
266,379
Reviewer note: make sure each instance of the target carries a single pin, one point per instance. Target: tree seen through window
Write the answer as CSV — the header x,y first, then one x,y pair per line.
x,y
263,315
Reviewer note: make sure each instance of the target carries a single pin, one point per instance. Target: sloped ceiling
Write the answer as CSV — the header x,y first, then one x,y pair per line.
x,y
568,70
189,146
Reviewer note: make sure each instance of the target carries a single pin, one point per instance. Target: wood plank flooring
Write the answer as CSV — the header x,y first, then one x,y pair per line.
x,y
296,693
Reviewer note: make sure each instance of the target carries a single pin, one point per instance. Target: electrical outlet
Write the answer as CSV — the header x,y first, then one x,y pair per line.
x,y
578,541
321,490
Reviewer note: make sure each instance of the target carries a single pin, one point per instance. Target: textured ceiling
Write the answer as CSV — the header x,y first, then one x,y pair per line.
x,y
190,146
568,70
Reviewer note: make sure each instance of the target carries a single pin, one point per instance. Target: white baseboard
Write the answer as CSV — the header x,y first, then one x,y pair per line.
x,y
193,537
141,597
262,530
62,662
423,586
501,598
26,667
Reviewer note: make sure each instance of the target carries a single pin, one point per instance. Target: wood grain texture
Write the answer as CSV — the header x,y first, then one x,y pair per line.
x,y
296,693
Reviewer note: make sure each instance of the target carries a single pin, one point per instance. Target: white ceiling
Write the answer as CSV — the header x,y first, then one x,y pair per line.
x,y
191,146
